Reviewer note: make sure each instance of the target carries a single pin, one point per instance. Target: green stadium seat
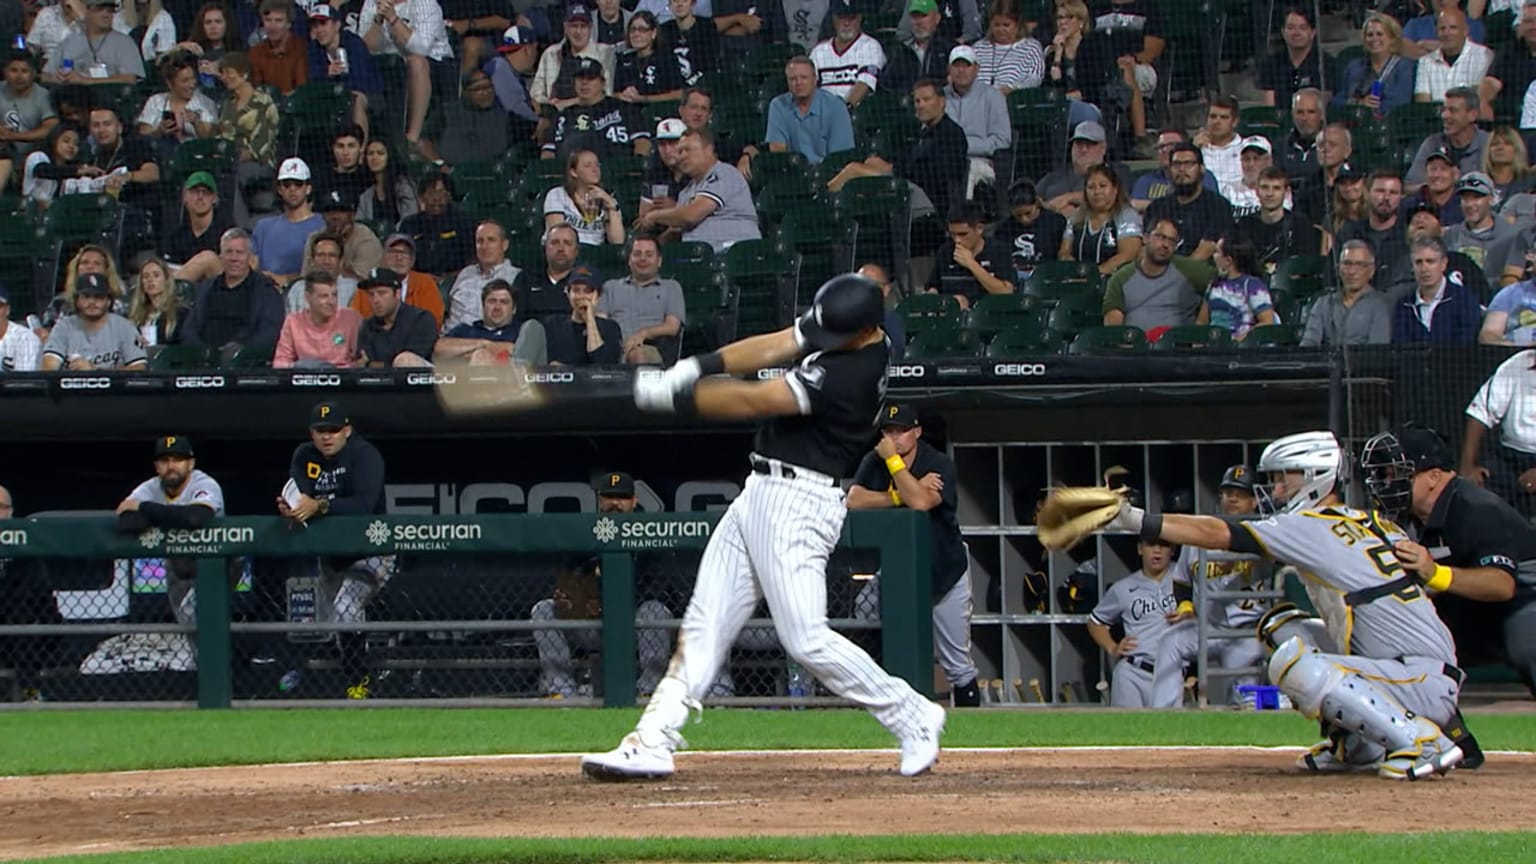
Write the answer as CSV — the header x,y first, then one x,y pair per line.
x,y
248,358
923,312
1193,337
944,344
1267,120
606,260
997,313
762,276
76,219
1109,340
1273,336
768,167
1301,276
169,357
1014,344
1074,314
214,155
1410,124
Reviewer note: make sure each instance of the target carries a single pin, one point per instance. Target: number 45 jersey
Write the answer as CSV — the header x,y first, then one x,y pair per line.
x,y
1370,603
608,128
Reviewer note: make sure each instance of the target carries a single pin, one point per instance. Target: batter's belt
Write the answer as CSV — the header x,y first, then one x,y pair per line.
x,y
778,468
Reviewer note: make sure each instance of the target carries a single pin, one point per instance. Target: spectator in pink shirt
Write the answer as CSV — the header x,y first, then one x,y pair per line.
x,y
322,336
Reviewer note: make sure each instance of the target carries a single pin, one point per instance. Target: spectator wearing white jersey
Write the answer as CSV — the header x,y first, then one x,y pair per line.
x,y
848,65
19,347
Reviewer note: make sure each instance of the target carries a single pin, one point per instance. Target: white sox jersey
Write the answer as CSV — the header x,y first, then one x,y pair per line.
x,y
200,490
1142,604
839,394
859,63
1341,551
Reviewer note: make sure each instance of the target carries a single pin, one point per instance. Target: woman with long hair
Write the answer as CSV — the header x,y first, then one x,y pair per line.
x,y
1507,163
1106,230
182,112
1008,59
147,24
214,34
647,72
1238,300
90,259
1383,63
56,168
156,308
583,203
391,196
1347,205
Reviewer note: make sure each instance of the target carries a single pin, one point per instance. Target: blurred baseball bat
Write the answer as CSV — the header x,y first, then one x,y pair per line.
x,y
472,391
997,690
1034,687
1018,689
1103,688
1066,692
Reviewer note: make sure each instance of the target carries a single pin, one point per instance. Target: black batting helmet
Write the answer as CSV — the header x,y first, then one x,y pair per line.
x,y
844,306
1237,477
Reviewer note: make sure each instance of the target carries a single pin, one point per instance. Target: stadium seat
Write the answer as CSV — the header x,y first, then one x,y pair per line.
x,y
1076,313
1273,336
19,247
169,357
705,297
1270,121
997,313
313,109
762,275
944,344
214,155
1410,124
76,219
878,205
824,241
687,252
1193,336
1013,344
248,358
1054,281
1301,276
922,312
1357,117
607,260
1109,340
768,167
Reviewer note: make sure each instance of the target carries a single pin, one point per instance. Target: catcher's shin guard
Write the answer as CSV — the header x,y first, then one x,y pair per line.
x,y
1461,736
1286,620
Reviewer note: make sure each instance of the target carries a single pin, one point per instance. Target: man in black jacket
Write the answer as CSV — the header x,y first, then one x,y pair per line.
x,y
337,472
398,334
239,308
935,163
583,338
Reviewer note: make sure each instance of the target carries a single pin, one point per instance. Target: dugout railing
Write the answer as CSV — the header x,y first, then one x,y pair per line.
x,y
898,537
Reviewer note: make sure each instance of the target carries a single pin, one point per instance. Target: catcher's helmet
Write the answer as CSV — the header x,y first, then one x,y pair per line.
x,y
1237,477
1388,463
1319,458
844,306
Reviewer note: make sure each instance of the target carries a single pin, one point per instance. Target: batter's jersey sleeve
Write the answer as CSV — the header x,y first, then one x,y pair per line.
x,y
1111,607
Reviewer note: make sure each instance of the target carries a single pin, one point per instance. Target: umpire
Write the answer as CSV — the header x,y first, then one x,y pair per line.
x,y
1473,548
904,471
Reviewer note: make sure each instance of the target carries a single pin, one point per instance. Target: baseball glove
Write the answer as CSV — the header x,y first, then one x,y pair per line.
x,y
1071,513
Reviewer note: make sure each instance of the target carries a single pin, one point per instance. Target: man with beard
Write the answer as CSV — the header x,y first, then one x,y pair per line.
x,y
396,334
94,338
178,496
1381,227
543,294
848,65
1277,233
278,240
1481,237
922,53
1156,184
1162,289
1202,217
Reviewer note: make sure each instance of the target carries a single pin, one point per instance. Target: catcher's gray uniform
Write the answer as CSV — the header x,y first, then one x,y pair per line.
x,y
1222,571
1143,604
200,490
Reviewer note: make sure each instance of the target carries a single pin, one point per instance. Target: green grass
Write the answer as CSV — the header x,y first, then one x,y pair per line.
x,y
60,742
1433,848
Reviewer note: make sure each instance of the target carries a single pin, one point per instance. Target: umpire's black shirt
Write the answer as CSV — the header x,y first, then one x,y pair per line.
x,y
353,480
1481,530
840,394
949,556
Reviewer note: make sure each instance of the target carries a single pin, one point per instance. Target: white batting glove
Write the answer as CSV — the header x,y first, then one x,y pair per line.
x,y
683,375
1129,519
653,392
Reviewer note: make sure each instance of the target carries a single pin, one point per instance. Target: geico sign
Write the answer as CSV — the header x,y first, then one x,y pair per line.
x,y
1017,370
550,377
316,380
429,378
769,374
195,382
85,383
907,371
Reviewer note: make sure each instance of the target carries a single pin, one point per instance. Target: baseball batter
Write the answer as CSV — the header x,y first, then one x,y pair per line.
x,y
905,471
1381,668
1143,602
774,539
178,496
1221,572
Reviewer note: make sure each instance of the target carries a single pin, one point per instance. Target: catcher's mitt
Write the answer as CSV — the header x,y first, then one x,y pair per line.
x,y
1071,513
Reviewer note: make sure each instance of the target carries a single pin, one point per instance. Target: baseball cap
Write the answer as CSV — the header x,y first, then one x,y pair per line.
x,y
899,414
1348,171
1440,153
397,237
1237,477
200,178
515,37
963,52
93,284
1425,448
844,8
922,7
1475,182
670,129
589,68
618,484
293,168
1421,206
328,415
578,12
334,200
173,445
323,12
1089,131
583,275
95,3
379,277
1256,142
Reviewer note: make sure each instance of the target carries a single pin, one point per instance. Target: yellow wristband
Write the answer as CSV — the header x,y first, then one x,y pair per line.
x,y
1186,608
895,464
895,496
1442,578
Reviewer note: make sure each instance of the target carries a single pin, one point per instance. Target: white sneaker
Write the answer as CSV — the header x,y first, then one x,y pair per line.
x,y
919,751
1432,754
633,759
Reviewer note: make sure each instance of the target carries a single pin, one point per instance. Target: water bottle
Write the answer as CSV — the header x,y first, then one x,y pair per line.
x,y
66,66
1376,93
800,682
289,682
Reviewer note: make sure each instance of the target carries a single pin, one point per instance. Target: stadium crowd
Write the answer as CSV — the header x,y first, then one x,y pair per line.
x,y
569,184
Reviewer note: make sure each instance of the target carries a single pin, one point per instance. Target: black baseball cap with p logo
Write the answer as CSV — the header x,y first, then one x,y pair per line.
x,y
173,445
328,415
1237,477
616,484
899,414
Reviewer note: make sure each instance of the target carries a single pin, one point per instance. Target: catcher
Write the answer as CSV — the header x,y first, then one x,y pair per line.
x,y
1379,665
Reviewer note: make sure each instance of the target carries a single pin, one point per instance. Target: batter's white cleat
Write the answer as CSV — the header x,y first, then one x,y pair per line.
x,y
1326,757
920,750
633,759
1432,754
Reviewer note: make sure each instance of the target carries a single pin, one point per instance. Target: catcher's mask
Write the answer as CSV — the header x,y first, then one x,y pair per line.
x,y
1387,474
1317,456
